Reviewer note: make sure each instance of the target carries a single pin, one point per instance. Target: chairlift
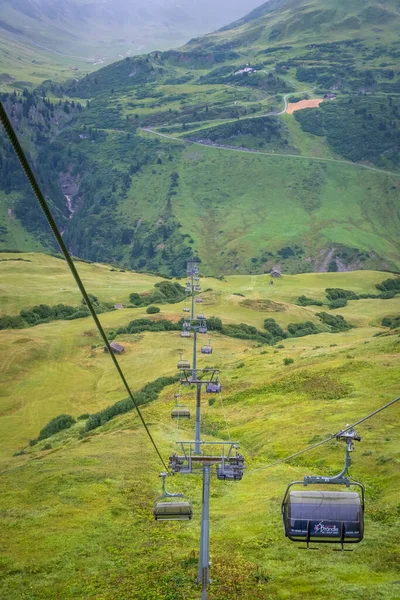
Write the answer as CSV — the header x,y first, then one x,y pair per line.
x,y
183,363
231,469
185,333
197,288
202,328
186,309
168,509
180,412
213,387
201,316
206,349
199,300
186,324
322,516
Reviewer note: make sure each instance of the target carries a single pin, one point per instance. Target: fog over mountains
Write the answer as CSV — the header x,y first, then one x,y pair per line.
x,y
65,25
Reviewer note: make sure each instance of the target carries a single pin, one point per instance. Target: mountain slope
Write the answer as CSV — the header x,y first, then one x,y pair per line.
x,y
45,39
192,150
83,499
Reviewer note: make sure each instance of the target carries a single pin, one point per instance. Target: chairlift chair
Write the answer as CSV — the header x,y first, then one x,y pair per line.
x,y
183,363
166,508
186,309
185,333
213,387
206,349
202,328
197,288
199,300
322,516
201,316
180,412
231,469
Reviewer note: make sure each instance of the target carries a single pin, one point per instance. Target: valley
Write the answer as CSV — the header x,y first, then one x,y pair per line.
x,y
159,147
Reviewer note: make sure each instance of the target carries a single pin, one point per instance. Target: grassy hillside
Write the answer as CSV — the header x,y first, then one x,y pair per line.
x,y
89,495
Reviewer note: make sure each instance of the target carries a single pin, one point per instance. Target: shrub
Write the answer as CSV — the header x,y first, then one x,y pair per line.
x,y
83,417
147,394
274,329
335,323
302,329
247,332
391,322
389,285
338,303
304,301
55,425
152,310
335,293
288,361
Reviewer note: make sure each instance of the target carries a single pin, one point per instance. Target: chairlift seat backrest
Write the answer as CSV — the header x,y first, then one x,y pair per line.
x,y
323,516
206,350
173,511
180,412
213,387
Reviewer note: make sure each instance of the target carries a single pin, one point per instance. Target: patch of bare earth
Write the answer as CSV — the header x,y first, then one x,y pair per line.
x,y
313,103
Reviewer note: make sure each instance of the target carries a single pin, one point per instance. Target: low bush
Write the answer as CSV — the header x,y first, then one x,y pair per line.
x,y
391,322
147,394
389,285
336,293
44,313
304,301
274,329
336,323
55,425
302,329
152,310
338,303
288,361
165,292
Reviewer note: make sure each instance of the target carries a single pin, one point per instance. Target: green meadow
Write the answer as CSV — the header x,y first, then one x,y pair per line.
x,y
76,507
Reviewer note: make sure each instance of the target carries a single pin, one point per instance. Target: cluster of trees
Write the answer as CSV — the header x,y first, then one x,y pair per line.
x,y
389,285
362,128
54,426
43,313
147,394
338,298
267,129
165,292
336,323
305,301
391,322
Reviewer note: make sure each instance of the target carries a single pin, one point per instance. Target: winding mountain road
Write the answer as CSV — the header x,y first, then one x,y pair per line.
x,y
275,154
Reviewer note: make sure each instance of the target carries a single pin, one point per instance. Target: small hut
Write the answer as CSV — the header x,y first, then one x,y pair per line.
x,y
276,272
116,348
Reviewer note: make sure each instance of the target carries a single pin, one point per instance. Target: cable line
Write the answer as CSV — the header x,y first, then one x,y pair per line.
x,y
45,207
332,437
